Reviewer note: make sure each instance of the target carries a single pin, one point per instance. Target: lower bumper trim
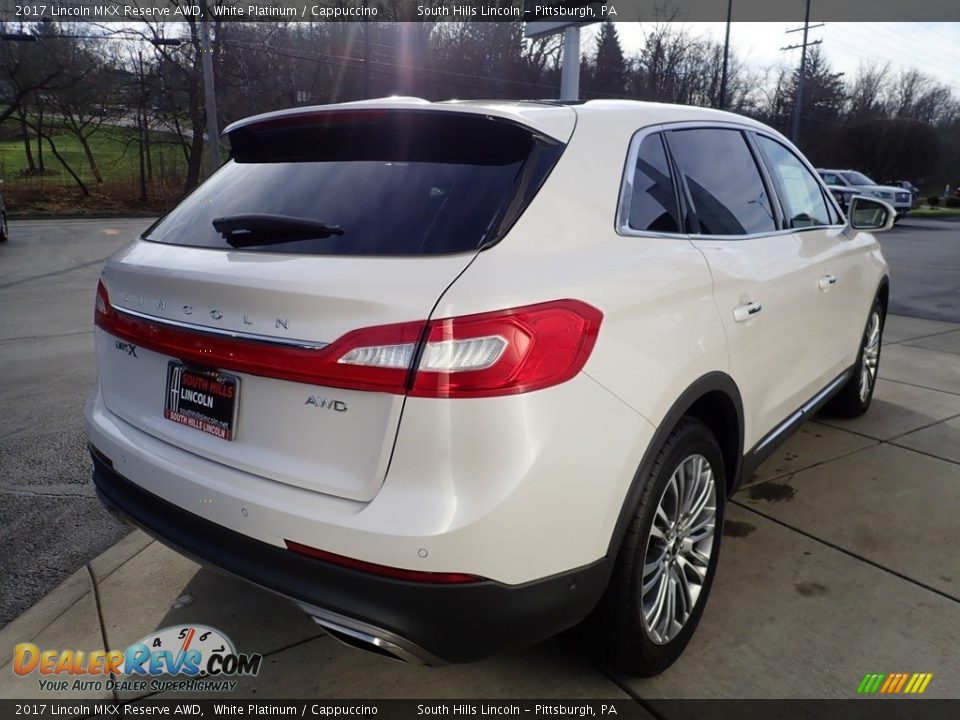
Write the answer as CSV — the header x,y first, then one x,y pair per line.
x,y
413,621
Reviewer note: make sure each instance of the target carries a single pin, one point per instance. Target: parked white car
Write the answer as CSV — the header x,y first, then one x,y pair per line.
x,y
457,376
852,181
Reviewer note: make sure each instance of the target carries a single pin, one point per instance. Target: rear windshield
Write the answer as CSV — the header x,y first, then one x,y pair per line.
x,y
382,182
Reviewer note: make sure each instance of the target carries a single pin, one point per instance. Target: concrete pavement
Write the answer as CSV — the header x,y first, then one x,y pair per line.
x,y
840,557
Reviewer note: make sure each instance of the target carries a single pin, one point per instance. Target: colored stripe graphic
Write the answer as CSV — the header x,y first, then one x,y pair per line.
x,y
903,679
894,683
870,683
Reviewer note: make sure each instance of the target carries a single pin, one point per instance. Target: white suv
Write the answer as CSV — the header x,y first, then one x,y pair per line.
x,y
457,376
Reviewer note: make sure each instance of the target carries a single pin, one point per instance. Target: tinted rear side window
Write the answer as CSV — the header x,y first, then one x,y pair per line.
x,y
394,182
725,186
653,204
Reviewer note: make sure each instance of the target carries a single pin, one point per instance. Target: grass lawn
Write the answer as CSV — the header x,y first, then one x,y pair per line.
x,y
114,148
935,212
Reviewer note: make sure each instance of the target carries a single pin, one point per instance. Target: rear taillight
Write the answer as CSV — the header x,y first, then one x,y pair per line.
x,y
101,306
506,352
499,353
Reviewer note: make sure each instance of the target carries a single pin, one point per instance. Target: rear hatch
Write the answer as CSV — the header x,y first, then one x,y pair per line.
x,y
226,330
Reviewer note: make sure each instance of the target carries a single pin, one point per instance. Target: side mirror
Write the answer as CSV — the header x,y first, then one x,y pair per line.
x,y
866,213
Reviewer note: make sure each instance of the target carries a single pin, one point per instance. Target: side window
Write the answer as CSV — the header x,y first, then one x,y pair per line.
x,y
724,183
831,179
803,202
653,205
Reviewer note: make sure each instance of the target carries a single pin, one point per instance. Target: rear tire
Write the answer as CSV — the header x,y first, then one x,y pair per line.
x,y
855,396
4,230
666,562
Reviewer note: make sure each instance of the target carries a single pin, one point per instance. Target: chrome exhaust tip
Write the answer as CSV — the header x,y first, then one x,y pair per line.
x,y
370,639
362,641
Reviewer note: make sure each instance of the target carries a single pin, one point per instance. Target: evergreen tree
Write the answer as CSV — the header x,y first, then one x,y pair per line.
x,y
610,67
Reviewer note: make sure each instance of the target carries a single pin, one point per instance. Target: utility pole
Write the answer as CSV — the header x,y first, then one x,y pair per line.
x,y
366,55
798,101
570,64
726,54
209,92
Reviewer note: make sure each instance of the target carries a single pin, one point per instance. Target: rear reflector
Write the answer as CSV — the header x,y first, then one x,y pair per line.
x,y
491,354
442,578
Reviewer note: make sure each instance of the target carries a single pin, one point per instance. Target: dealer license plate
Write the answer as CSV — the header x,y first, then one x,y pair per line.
x,y
202,399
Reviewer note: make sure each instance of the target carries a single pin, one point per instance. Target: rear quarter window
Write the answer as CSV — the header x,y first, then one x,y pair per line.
x,y
652,203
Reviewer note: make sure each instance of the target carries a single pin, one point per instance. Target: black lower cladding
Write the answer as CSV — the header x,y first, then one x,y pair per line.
x,y
454,623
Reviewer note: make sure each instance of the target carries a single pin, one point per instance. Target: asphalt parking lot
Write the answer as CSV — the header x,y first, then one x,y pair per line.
x,y
925,268
840,557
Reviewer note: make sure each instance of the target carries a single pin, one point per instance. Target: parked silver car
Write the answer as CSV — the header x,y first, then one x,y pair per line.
x,y
901,199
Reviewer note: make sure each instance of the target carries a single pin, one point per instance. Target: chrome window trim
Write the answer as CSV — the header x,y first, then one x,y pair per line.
x,y
235,334
622,222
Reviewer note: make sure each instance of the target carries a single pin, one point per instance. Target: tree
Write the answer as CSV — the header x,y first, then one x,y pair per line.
x,y
824,96
181,101
865,96
890,149
915,96
609,65
89,101
25,68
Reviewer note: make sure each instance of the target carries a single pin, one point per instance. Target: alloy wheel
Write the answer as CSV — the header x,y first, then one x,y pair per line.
x,y
679,549
871,356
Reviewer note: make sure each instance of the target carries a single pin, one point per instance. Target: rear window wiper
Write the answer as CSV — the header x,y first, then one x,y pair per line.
x,y
266,229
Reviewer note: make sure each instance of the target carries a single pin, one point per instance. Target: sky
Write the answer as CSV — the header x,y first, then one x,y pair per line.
x,y
932,48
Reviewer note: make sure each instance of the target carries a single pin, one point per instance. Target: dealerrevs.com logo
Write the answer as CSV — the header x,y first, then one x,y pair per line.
x,y
191,658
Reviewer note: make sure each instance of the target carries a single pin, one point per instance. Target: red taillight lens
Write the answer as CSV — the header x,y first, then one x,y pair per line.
x,y
101,306
506,352
446,578
498,353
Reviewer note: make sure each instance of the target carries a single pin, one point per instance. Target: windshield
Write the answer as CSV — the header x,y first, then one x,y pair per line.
x,y
390,183
855,178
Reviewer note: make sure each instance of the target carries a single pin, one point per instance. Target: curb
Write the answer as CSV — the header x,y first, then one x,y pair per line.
x,y
51,606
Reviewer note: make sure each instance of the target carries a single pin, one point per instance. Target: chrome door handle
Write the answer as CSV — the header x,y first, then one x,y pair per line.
x,y
742,313
827,280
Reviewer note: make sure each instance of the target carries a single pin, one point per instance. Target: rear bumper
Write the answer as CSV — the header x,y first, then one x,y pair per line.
x,y
432,623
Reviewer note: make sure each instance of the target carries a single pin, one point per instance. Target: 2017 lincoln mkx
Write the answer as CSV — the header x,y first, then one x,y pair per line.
x,y
457,376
